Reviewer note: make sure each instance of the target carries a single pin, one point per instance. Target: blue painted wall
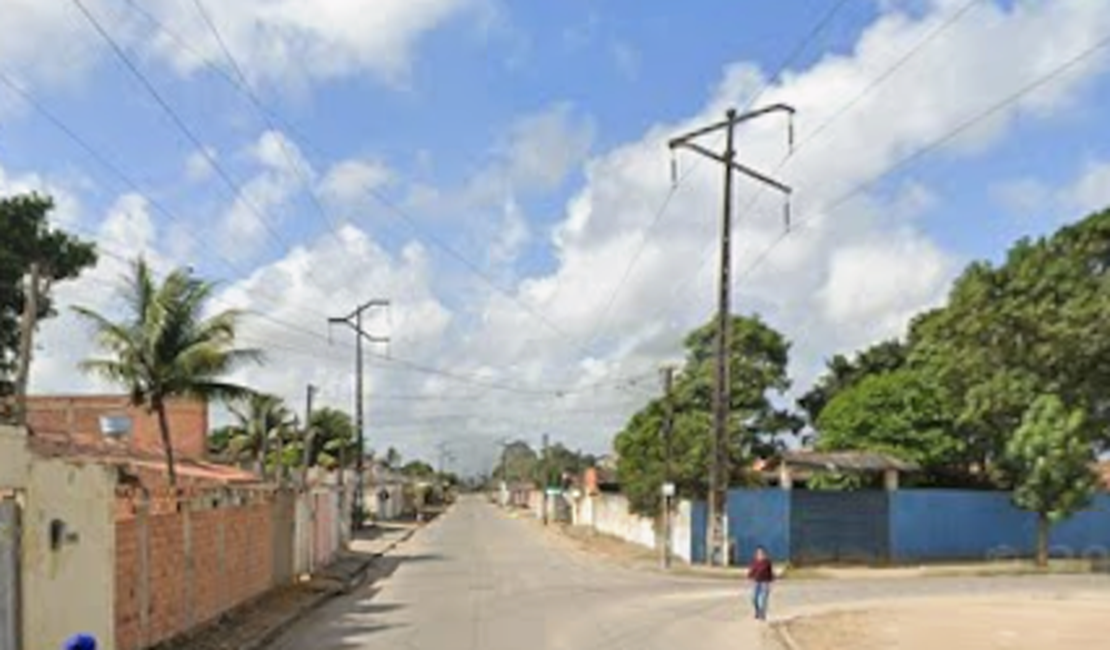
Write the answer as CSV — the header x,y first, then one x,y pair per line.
x,y
959,524
1087,533
759,518
699,518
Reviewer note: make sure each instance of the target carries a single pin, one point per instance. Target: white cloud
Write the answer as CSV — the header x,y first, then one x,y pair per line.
x,y
874,287
257,210
348,181
541,149
303,40
1091,191
198,165
126,231
284,42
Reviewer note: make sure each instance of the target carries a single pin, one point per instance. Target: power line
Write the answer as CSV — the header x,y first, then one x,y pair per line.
x,y
789,60
932,146
884,76
252,96
234,187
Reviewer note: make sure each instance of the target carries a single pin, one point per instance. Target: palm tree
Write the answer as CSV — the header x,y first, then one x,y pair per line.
x,y
262,418
166,348
334,443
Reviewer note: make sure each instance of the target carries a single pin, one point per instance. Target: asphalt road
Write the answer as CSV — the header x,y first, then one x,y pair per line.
x,y
479,579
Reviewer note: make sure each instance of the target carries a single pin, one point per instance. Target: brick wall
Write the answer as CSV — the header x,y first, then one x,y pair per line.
x,y
78,416
181,562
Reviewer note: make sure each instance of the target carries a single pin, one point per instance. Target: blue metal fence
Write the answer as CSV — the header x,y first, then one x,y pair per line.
x,y
922,525
759,518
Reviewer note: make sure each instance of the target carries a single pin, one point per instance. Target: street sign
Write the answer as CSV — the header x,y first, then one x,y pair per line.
x,y
668,489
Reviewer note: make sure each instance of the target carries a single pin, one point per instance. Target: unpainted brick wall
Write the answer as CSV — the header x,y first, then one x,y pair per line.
x,y
183,561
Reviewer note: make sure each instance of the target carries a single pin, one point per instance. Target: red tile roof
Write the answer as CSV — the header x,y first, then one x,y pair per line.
x,y
109,452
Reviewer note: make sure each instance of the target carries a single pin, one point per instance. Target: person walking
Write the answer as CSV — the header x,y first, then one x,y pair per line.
x,y
762,573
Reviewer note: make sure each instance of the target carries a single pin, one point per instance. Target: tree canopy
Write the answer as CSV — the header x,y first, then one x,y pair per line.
x,y
1033,325
758,356
165,347
27,241
1051,457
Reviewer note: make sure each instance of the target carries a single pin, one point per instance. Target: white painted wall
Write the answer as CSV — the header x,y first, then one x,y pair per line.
x,y
70,589
609,514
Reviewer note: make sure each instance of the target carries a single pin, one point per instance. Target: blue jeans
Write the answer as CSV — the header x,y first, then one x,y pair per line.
x,y
760,597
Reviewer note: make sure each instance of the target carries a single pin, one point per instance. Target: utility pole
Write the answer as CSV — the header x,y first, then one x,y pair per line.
x,y
668,475
354,321
309,434
544,476
722,394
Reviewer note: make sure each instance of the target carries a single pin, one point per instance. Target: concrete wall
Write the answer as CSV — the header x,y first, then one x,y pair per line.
x,y
682,539
385,509
65,589
612,517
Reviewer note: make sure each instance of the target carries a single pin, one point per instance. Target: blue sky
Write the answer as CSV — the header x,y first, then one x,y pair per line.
x,y
528,140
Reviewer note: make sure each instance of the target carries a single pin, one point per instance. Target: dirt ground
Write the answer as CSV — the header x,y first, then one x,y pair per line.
x,y
984,624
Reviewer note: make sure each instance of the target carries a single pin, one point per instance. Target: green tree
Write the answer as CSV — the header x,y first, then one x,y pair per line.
x,y
334,442
518,462
758,358
1052,458
1030,326
418,469
32,255
266,429
901,413
843,373
165,348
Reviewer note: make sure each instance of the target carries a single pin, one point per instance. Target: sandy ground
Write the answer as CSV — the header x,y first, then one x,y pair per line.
x,y
979,624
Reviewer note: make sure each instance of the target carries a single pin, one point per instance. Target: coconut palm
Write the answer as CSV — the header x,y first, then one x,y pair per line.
x,y
262,419
165,347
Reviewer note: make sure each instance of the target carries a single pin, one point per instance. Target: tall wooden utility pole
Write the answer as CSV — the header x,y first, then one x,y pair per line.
x,y
309,434
722,394
354,321
668,474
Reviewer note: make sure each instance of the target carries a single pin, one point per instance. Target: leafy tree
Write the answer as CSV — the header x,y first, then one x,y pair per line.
x,y
265,428
166,348
1033,325
843,373
1052,457
30,249
518,462
758,358
418,469
559,461
902,413
334,442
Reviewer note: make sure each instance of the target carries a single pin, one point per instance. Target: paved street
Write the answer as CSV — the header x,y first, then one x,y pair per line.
x,y
477,578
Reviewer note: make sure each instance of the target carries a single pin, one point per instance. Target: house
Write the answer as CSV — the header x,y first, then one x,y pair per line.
x,y
389,494
95,420
793,467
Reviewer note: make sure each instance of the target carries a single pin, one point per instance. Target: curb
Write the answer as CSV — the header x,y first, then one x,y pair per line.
x,y
357,578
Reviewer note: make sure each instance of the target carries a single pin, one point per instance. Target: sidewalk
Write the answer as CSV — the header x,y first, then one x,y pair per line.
x,y
256,625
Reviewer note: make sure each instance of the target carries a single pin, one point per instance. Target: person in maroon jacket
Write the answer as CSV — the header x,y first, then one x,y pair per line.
x,y
762,574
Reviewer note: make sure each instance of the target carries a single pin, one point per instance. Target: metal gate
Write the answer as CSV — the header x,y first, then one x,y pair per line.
x,y
839,526
9,574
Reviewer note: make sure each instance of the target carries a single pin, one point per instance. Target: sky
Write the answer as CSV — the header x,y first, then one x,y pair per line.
x,y
500,173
